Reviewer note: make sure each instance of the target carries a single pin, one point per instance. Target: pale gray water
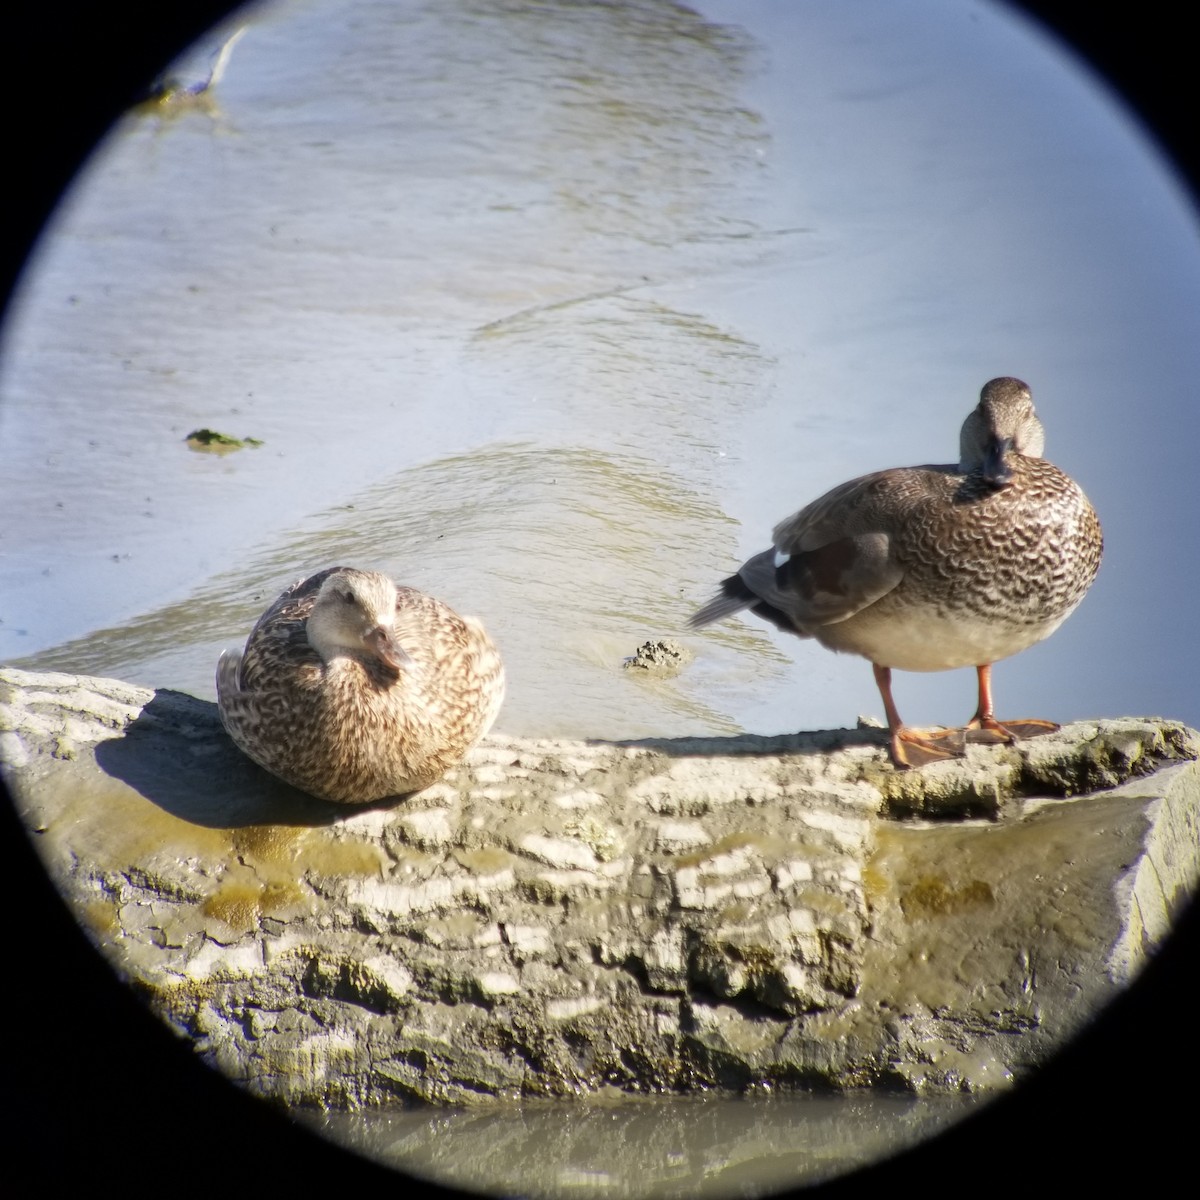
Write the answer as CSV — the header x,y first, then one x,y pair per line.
x,y
554,310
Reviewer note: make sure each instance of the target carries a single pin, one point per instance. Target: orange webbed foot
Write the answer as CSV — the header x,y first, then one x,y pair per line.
x,y
919,748
989,731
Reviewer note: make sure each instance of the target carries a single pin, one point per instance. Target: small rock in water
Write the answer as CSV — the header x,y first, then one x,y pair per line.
x,y
663,657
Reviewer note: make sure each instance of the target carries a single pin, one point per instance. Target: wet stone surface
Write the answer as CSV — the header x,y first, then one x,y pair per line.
x,y
556,918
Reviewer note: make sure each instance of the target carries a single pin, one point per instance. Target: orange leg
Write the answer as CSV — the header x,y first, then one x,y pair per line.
x,y
984,720
908,747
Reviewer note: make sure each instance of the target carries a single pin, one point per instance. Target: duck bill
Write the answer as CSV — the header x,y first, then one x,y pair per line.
x,y
382,643
996,470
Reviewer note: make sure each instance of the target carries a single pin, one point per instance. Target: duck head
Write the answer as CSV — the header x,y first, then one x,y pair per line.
x,y
1003,423
355,613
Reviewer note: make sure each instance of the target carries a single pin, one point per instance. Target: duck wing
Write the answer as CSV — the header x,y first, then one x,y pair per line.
x,y
831,560
831,583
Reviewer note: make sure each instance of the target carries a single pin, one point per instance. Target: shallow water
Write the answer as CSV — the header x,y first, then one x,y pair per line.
x,y
555,310
640,1147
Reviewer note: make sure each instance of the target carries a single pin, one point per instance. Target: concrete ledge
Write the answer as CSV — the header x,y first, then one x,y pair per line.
x,y
559,918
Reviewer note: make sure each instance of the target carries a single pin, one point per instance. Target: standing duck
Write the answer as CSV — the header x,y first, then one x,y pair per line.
x,y
354,689
934,567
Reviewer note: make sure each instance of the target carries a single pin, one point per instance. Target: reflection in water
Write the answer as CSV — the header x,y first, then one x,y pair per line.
x,y
697,1146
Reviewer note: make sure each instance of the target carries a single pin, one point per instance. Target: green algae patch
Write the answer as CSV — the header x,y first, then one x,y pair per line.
x,y
242,903
598,835
292,847
239,905
280,897
485,860
209,441
767,846
346,859
267,843
1109,757
933,896
1074,761
100,918
180,1000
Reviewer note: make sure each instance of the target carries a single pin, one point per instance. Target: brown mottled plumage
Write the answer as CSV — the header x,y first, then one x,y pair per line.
x,y
933,567
354,689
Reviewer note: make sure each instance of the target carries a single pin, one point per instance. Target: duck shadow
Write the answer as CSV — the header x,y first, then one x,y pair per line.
x,y
958,741
177,755
804,742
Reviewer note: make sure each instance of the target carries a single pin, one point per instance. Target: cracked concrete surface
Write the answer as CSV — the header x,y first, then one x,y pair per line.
x,y
562,918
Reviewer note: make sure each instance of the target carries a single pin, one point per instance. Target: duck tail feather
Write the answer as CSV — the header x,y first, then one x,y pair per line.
x,y
733,597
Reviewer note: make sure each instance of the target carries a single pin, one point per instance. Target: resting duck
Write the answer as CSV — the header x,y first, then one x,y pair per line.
x,y
354,689
934,567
